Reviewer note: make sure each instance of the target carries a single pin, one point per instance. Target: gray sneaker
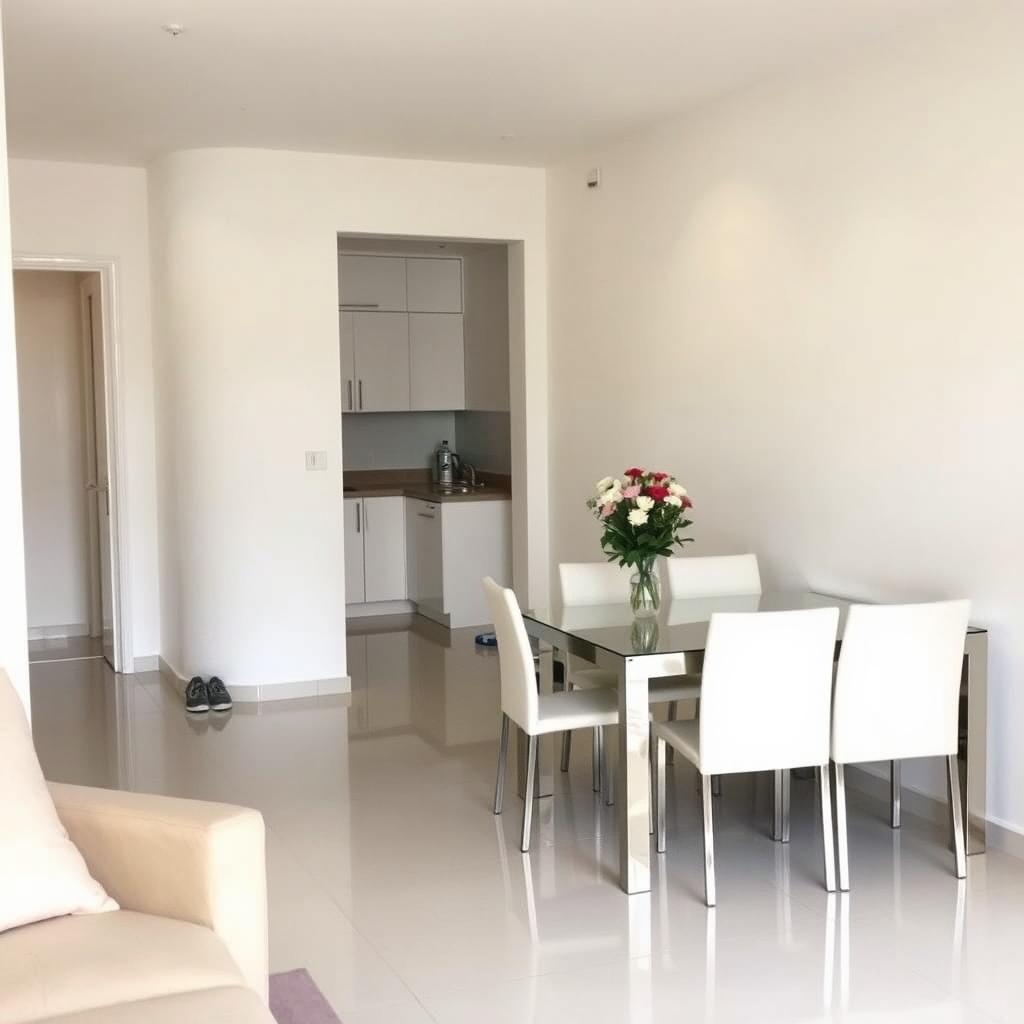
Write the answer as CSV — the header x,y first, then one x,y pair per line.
x,y
197,697
220,699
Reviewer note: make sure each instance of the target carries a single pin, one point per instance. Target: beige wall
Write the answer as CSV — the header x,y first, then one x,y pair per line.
x,y
47,307
248,375
90,211
806,301
13,628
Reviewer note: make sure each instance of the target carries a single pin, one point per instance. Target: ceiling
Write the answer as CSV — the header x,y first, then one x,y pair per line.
x,y
508,81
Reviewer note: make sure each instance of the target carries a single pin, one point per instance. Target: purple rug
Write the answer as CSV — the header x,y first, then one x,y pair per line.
x,y
295,999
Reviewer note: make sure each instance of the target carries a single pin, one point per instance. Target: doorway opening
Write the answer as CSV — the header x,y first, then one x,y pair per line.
x,y
65,390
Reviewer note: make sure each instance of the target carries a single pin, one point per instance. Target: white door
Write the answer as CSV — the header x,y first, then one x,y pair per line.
x,y
347,340
355,585
381,361
384,544
437,362
372,282
102,621
434,285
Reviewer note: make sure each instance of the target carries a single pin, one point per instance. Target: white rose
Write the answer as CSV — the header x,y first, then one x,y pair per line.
x,y
679,492
638,517
675,500
603,485
610,497
644,503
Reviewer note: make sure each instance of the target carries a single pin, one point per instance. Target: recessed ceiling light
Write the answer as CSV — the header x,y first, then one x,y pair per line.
x,y
173,28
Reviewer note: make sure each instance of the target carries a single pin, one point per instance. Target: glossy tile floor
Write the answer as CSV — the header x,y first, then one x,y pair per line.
x,y
69,648
409,902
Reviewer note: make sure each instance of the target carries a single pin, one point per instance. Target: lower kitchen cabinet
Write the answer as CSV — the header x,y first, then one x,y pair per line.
x,y
450,547
375,558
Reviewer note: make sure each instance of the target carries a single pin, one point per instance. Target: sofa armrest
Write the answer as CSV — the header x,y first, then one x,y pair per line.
x,y
186,859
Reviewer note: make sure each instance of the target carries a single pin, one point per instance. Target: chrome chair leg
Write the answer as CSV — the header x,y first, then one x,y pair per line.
x,y
781,805
499,785
895,791
957,809
659,792
709,841
651,780
842,840
673,710
608,782
596,752
716,785
528,799
566,747
827,835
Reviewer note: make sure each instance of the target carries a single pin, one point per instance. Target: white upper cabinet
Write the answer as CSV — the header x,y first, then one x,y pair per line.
x,y
372,283
437,370
434,285
381,346
347,332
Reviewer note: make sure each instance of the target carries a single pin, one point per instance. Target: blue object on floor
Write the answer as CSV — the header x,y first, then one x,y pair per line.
x,y
487,639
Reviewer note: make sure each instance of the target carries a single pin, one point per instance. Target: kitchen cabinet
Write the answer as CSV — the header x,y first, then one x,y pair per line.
x,y
374,361
375,560
450,547
434,285
355,587
437,369
372,283
384,548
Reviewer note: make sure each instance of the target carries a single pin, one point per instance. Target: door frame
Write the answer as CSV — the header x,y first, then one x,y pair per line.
x,y
120,560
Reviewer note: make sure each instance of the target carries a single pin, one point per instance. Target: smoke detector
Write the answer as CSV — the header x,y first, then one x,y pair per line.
x,y
173,28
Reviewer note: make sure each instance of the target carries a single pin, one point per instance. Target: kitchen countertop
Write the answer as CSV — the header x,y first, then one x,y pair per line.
x,y
418,484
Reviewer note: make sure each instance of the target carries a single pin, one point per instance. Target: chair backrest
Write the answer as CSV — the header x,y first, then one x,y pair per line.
x,y
589,583
712,576
518,677
766,692
898,683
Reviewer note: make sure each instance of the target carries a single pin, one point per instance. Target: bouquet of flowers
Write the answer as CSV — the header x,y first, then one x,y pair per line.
x,y
642,515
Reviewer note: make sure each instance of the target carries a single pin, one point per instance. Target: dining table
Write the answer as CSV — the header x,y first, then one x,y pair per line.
x,y
672,643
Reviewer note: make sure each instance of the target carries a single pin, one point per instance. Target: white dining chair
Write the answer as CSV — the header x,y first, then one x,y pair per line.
x,y
585,584
765,705
521,703
712,576
897,696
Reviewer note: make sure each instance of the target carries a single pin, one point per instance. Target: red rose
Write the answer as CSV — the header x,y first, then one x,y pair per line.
x,y
634,472
657,492
658,477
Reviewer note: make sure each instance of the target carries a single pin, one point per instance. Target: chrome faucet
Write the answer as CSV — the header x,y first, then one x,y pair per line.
x,y
468,473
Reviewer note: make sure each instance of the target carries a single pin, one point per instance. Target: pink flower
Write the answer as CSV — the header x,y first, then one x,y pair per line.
x,y
607,510
631,492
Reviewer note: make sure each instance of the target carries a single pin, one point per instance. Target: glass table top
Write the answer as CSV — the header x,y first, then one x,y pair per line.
x,y
679,627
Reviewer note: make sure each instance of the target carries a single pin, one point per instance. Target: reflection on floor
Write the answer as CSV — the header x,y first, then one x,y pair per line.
x,y
408,901
66,648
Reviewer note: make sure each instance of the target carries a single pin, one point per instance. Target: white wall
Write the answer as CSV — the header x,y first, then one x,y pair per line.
x,y
89,210
13,628
806,301
245,313
47,309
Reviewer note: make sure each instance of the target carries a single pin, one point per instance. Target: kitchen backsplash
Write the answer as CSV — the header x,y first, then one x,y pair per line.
x,y
403,440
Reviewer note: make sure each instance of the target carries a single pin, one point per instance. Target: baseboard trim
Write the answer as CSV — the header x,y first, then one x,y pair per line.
x,y
362,611
269,692
146,663
999,834
59,632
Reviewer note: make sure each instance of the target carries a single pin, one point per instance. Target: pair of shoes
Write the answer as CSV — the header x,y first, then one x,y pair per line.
x,y
211,696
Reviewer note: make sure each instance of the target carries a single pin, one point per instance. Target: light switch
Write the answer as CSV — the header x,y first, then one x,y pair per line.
x,y
316,460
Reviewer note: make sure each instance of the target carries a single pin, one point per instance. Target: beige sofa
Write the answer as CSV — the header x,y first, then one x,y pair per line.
x,y
189,943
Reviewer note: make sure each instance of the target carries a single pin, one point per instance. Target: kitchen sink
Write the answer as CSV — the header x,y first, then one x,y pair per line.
x,y
451,488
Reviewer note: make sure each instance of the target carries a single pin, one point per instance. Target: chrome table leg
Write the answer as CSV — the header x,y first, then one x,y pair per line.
x,y
707,799
973,738
956,809
827,835
597,746
659,787
632,782
895,791
841,834
781,805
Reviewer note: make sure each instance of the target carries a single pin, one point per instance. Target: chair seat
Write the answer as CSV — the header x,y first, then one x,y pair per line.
x,y
577,709
684,736
661,690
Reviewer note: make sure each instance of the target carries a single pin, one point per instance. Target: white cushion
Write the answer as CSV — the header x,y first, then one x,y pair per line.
x,y
684,736
577,709
42,874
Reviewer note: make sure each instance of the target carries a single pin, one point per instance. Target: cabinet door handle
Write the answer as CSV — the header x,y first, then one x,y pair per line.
x,y
360,305
359,517
360,395
350,405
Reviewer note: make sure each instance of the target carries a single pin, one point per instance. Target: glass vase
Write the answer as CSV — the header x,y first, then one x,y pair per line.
x,y
645,590
644,635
